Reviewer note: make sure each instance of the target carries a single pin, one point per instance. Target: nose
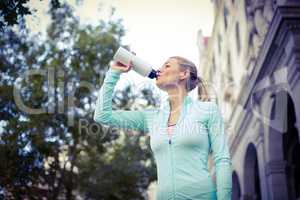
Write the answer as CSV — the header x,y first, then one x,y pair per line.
x,y
161,68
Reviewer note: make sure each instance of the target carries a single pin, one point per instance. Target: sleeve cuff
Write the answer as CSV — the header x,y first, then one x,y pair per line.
x,y
114,71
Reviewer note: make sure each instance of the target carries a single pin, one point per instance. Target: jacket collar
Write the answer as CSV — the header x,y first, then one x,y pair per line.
x,y
165,107
166,104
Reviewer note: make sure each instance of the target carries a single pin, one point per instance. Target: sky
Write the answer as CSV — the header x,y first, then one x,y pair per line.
x,y
155,30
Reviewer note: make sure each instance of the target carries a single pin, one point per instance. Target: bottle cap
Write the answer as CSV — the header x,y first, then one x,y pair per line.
x,y
153,74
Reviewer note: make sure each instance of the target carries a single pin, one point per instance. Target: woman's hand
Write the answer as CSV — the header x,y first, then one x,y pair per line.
x,y
120,66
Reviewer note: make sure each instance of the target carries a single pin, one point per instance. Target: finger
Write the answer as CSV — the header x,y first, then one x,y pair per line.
x,y
120,64
130,63
128,67
112,62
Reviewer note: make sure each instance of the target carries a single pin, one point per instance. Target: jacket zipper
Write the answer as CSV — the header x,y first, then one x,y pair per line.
x,y
170,146
172,168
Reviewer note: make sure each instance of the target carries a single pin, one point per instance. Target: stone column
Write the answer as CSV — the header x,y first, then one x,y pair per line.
x,y
261,165
247,197
275,173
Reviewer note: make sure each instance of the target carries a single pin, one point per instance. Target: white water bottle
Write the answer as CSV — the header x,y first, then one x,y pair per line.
x,y
140,66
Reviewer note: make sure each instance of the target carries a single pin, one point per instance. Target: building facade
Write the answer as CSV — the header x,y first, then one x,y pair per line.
x,y
251,64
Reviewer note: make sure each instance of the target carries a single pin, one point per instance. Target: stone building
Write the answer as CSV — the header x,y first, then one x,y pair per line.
x,y
251,64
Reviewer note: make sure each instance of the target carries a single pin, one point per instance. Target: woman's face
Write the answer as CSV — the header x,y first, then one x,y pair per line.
x,y
170,75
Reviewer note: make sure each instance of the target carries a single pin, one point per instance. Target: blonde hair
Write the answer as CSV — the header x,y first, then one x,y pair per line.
x,y
194,80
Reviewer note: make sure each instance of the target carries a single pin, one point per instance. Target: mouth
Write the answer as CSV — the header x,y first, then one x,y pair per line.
x,y
158,75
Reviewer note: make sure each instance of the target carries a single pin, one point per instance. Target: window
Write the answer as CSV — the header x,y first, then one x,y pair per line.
x,y
229,67
228,59
249,8
219,43
238,37
226,13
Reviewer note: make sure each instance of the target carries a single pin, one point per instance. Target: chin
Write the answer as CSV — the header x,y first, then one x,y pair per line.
x,y
161,85
158,84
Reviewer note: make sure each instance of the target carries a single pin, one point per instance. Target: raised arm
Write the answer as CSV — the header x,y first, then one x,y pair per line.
x,y
134,120
220,153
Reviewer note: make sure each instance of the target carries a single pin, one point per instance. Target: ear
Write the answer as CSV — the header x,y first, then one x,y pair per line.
x,y
184,74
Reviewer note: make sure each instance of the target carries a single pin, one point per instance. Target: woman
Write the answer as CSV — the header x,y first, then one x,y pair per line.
x,y
182,133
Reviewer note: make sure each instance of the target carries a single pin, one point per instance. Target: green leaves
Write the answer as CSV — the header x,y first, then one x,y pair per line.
x,y
10,10
61,151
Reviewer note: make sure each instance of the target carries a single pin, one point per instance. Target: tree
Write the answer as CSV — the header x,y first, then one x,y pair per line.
x,y
12,10
49,154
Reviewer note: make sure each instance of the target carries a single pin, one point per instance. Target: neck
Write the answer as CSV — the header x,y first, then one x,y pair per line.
x,y
176,98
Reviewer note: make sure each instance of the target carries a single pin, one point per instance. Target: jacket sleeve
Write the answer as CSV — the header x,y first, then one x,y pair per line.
x,y
134,120
220,153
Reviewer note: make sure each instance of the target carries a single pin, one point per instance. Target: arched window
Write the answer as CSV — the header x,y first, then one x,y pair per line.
x,y
236,189
249,8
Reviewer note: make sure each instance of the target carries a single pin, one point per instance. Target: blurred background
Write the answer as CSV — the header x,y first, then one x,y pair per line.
x,y
53,58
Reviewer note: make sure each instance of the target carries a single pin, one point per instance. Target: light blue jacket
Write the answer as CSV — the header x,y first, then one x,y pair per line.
x,y
181,159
